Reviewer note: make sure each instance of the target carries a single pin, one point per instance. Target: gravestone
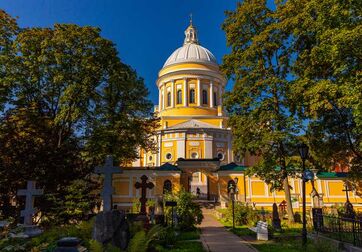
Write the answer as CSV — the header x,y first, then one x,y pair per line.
x,y
111,227
107,170
276,219
30,192
144,185
317,214
70,244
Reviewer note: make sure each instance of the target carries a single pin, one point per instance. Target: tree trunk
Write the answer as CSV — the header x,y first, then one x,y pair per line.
x,y
288,199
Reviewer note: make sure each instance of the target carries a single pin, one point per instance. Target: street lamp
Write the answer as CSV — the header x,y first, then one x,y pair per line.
x,y
232,190
303,152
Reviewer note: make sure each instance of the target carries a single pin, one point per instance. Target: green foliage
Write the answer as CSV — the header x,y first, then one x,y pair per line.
x,y
49,238
189,213
135,227
136,205
8,29
71,204
244,215
95,246
138,242
70,102
327,88
168,236
259,107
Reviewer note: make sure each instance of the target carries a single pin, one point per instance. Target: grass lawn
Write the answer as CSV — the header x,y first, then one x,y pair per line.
x,y
183,246
293,246
285,241
186,242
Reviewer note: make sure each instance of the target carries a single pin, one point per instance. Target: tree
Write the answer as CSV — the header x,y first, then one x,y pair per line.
x,y
121,119
259,108
72,102
8,30
327,90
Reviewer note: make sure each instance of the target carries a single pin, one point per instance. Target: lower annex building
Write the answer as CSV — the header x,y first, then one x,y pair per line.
x,y
195,145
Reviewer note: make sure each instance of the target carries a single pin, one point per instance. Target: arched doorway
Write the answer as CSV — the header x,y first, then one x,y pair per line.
x,y
198,185
167,187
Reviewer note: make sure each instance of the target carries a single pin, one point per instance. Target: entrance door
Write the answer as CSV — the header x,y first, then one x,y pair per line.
x,y
199,183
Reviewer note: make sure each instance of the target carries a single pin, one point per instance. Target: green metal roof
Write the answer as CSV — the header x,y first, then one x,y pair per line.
x,y
168,167
232,167
332,174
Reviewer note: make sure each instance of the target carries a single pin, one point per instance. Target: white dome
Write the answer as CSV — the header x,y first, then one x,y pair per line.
x,y
191,52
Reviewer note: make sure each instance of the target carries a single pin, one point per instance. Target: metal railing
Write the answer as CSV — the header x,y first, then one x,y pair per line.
x,y
340,228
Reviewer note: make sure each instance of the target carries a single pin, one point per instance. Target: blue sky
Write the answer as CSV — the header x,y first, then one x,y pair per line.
x,y
145,32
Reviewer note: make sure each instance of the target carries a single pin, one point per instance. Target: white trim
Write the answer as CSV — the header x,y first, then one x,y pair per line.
x,y
198,92
185,92
211,94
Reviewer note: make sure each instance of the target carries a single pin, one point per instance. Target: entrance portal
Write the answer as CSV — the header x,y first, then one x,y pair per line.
x,y
199,183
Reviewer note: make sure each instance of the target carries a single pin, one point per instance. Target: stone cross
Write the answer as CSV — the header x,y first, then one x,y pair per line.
x,y
29,193
108,170
143,185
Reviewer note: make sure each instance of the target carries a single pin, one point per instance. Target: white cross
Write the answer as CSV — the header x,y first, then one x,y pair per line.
x,y
29,193
108,169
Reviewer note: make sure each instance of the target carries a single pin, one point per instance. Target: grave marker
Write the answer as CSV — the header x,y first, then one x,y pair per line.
x,y
107,170
144,185
29,193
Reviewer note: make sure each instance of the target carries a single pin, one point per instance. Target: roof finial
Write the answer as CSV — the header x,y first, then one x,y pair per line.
x,y
191,34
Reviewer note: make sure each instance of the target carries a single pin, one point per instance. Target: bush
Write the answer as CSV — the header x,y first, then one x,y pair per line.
x,y
244,215
189,213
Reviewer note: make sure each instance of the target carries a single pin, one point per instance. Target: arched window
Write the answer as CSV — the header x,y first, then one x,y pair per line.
x,y
179,97
167,187
215,99
168,99
204,97
192,96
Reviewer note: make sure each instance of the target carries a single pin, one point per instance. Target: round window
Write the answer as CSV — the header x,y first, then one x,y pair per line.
x,y
220,156
194,155
150,158
168,156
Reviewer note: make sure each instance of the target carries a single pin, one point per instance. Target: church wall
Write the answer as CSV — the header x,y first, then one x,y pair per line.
x,y
213,185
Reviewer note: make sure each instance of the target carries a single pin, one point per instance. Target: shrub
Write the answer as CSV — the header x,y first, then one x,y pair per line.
x,y
189,213
244,215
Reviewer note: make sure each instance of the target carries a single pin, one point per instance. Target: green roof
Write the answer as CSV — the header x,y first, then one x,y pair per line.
x,y
168,167
232,167
332,174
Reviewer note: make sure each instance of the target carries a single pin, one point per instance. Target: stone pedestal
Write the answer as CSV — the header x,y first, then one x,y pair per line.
x,y
70,244
111,227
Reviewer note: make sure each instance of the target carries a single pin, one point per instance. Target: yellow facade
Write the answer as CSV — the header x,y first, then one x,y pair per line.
x,y
195,145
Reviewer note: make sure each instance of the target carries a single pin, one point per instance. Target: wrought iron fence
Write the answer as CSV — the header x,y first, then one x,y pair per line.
x,y
341,228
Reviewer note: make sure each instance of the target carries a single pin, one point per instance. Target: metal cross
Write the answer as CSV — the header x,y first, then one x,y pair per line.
x,y
143,185
346,189
29,193
108,170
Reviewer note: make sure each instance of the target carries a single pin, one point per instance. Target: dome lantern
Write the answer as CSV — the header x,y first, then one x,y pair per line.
x,y
191,34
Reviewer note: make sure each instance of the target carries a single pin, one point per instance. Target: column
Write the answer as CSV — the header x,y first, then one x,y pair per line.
x,y
172,94
158,159
159,98
163,98
198,92
220,94
185,92
211,94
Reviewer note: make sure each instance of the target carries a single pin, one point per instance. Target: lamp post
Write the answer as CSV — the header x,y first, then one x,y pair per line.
x,y
303,152
232,190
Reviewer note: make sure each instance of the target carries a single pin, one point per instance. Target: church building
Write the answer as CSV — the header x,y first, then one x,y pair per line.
x,y
195,144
